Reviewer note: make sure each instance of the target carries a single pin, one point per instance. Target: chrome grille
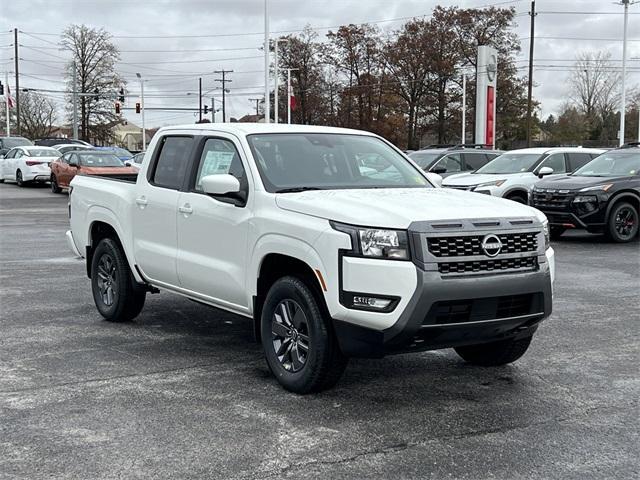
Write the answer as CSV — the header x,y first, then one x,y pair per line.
x,y
466,246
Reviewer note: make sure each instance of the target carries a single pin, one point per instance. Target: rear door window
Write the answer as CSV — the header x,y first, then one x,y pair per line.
x,y
172,161
578,160
476,160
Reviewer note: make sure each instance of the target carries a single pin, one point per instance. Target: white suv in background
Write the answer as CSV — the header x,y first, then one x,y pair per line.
x,y
513,174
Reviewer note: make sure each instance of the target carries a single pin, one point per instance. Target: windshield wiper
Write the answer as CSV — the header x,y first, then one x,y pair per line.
x,y
297,189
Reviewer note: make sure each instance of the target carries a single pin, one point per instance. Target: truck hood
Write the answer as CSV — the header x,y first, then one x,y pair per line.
x,y
573,182
478,178
399,207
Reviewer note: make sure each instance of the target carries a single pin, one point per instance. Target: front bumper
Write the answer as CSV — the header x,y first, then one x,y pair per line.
x,y
425,324
440,308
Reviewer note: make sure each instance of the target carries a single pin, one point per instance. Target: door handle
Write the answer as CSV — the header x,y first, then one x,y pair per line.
x,y
186,209
142,201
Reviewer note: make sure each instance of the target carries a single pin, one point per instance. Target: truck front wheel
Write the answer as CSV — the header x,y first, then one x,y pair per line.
x,y
299,344
115,293
495,353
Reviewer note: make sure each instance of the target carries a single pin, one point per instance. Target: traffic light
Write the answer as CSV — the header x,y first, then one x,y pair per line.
x,y
206,109
1,89
121,95
138,107
118,107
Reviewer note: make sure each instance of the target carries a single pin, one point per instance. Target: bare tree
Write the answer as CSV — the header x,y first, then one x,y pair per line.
x,y
594,85
94,57
37,115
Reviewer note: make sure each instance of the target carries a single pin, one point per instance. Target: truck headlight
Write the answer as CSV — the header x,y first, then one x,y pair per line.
x,y
547,235
376,242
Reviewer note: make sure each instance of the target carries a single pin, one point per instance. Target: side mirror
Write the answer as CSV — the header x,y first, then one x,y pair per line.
x,y
438,170
545,171
220,184
127,164
434,178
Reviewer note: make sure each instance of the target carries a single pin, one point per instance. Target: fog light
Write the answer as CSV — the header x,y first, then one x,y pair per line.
x,y
371,302
362,301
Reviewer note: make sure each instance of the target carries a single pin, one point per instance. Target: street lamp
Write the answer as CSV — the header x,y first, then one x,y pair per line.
x,y
144,131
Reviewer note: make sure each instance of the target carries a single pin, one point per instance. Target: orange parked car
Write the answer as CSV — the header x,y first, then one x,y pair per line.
x,y
85,162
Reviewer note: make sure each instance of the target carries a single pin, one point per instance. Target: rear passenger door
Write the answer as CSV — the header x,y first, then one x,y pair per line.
x,y
156,207
212,231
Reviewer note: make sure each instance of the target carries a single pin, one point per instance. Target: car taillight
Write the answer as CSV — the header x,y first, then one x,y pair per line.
x,y
31,163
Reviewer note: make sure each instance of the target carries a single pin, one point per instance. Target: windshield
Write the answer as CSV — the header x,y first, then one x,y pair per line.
x,y
425,160
612,164
300,161
95,159
511,163
42,152
15,142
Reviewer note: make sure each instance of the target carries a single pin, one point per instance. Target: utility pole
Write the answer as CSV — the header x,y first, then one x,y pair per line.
x,y
530,80
289,70
16,58
267,99
257,100
276,105
213,110
75,100
144,130
623,100
200,99
224,82
6,102
464,107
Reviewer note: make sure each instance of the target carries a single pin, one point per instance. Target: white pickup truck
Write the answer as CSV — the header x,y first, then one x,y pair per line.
x,y
332,241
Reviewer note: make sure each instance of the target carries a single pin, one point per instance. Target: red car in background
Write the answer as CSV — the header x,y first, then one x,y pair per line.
x,y
85,162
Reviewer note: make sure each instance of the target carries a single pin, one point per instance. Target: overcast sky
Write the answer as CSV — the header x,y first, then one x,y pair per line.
x,y
173,69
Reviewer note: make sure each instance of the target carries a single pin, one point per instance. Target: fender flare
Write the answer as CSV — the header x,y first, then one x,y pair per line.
x,y
517,189
276,243
97,213
617,197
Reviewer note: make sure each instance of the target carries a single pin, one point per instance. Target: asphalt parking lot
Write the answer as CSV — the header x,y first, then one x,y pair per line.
x,y
183,391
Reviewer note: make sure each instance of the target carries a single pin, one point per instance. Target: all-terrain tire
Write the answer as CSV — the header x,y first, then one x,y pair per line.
x,y
312,360
117,296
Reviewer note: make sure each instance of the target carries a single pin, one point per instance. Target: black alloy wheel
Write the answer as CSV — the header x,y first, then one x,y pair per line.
x,y
297,337
19,180
117,296
290,335
623,223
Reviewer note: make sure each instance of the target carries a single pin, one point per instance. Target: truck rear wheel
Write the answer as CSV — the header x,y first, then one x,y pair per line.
x,y
115,293
299,344
495,353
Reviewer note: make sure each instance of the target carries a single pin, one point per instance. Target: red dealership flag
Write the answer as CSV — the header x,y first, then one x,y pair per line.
x,y
10,100
292,100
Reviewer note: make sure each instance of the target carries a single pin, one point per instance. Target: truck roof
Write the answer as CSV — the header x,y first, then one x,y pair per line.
x,y
541,150
249,128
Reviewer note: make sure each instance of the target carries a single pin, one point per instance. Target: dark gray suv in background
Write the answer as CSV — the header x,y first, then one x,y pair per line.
x,y
448,160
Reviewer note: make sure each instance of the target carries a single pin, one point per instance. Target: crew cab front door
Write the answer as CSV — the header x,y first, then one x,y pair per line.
x,y
155,209
212,232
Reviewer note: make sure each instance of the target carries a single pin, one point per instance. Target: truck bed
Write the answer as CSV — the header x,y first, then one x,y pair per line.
x,y
121,177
